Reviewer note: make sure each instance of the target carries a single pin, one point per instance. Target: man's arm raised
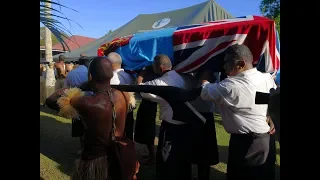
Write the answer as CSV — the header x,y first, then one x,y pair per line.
x,y
209,91
51,101
66,101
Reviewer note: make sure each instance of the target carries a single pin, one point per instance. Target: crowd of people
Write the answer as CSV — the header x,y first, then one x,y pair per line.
x,y
104,122
52,76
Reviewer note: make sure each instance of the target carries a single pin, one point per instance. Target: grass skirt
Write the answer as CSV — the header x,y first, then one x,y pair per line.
x,y
96,169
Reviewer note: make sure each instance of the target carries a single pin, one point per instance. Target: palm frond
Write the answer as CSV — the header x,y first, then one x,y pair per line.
x,y
51,21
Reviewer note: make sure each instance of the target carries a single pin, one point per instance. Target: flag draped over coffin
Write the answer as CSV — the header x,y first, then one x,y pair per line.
x,y
191,46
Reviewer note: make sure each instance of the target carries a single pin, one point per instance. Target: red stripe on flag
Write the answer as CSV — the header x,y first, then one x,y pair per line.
x,y
198,34
276,65
205,57
255,40
217,30
272,46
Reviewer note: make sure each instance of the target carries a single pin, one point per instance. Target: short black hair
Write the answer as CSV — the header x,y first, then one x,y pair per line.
x,y
62,58
239,52
82,60
100,69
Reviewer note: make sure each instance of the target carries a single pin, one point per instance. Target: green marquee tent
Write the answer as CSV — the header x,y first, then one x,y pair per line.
x,y
204,12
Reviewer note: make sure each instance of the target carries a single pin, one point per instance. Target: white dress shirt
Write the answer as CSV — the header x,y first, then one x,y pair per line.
x,y
121,77
235,98
171,78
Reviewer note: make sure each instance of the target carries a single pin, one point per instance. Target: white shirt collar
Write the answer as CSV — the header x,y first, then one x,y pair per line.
x,y
247,72
118,70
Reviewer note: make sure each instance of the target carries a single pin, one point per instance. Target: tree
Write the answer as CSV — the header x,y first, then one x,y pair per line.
x,y
271,9
110,31
53,37
51,21
48,41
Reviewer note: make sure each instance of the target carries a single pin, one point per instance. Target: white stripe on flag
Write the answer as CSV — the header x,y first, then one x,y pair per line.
x,y
204,42
267,57
210,45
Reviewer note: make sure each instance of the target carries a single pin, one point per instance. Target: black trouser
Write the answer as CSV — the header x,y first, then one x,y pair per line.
x,y
204,145
129,126
172,153
145,129
251,157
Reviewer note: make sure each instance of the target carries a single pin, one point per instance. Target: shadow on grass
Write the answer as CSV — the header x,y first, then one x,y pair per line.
x,y
45,109
57,144
277,172
223,154
216,174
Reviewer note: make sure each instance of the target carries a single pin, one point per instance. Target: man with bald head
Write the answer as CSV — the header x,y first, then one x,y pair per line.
x,y
123,78
61,73
119,75
251,148
96,113
172,159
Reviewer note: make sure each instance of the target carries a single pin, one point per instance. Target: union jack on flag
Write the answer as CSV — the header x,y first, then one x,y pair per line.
x,y
189,47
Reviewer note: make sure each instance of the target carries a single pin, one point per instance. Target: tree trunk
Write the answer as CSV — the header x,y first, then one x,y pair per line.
x,y
48,40
50,77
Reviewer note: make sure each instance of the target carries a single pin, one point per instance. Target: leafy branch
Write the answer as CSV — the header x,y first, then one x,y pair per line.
x,y
51,21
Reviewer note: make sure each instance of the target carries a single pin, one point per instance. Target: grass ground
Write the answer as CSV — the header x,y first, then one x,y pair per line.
x,y
58,149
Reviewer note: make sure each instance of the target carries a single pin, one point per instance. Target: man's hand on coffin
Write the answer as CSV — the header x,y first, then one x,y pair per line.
x,y
146,74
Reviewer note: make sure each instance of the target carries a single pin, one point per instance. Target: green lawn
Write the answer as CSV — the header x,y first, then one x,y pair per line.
x,y
58,149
